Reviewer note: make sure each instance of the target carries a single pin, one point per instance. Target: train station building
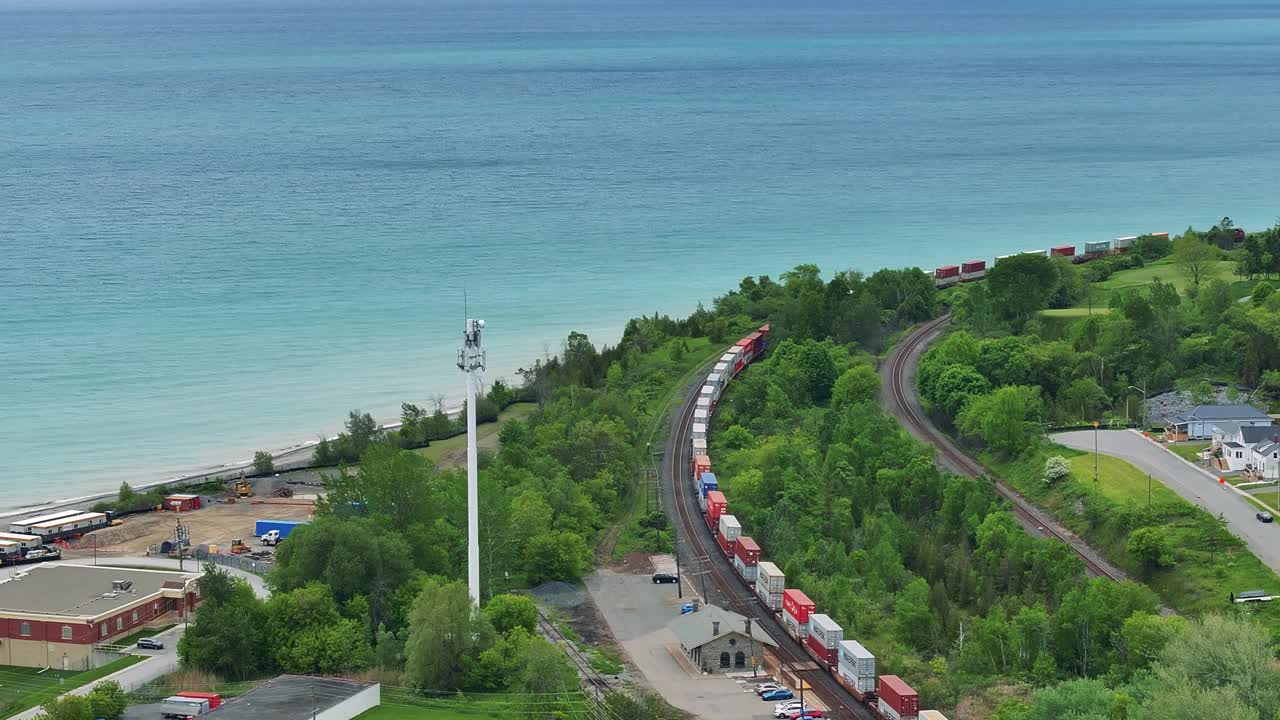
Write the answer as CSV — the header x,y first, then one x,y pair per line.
x,y
57,615
718,640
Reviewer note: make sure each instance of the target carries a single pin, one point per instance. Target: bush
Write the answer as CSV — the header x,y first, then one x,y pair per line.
x,y
1056,469
263,463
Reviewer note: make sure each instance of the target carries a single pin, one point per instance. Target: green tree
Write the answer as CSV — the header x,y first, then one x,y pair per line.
x,y
508,612
1227,655
858,384
1151,545
1076,699
546,679
228,636
1261,292
1150,247
263,463
1195,259
1087,397
1020,286
108,700
913,620
1145,636
1005,419
67,707
362,430
557,555
955,386
446,636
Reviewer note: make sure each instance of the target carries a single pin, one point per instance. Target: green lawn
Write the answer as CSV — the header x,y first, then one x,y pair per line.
x,y
1120,481
23,687
486,436
1074,312
1189,451
401,704
405,712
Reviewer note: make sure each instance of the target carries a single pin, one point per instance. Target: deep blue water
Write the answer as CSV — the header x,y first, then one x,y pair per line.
x,y
224,224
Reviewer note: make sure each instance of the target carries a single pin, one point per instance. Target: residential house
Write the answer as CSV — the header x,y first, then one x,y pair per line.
x,y
1198,424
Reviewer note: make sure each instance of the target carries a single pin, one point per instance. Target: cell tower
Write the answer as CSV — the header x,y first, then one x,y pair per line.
x,y
471,363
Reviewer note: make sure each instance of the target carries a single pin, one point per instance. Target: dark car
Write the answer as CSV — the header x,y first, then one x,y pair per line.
x,y
1263,517
664,578
150,644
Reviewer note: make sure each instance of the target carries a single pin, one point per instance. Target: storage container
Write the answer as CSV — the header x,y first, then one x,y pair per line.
x,y
897,699
262,527
745,571
748,551
771,578
825,631
857,662
729,527
798,605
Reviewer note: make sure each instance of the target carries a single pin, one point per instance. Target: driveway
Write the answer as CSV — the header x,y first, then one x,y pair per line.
x,y
1196,485
637,612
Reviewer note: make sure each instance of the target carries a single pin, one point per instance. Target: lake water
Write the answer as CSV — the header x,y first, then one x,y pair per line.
x,y
224,224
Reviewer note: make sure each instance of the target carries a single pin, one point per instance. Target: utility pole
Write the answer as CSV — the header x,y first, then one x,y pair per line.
x,y
1095,452
471,360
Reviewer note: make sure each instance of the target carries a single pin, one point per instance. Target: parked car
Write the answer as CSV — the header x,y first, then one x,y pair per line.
x,y
780,694
807,714
659,578
763,688
1264,517
787,709
147,643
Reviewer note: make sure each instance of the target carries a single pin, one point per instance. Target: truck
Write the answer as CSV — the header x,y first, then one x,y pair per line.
x,y
262,528
271,538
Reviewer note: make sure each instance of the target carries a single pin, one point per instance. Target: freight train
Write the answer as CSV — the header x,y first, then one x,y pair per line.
x,y
949,275
887,697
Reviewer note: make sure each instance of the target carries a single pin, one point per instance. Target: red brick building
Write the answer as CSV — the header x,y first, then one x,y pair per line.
x,y
54,615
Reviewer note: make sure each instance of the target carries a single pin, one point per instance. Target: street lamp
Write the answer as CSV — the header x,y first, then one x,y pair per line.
x,y
1143,415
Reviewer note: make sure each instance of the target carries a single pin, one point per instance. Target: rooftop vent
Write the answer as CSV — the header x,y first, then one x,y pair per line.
x,y
121,585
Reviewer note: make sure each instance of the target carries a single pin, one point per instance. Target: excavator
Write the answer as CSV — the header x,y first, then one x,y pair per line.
x,y
242,488
238,547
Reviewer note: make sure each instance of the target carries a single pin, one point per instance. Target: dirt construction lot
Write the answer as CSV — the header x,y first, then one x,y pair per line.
x,y
215,524
637,612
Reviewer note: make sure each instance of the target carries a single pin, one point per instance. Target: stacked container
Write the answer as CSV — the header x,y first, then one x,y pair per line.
x,y
824,639
700,415
973,269
706,483
931,715
796,607
730,531
770,582
717,506
700,447
745,557
722,369
857,669
898,701
699,432
730,360
716,380
701,464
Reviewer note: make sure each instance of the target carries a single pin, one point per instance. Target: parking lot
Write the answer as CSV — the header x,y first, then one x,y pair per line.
x,y
637,612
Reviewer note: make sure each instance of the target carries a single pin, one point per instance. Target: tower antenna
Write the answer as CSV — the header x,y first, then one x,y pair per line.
x,y
471,360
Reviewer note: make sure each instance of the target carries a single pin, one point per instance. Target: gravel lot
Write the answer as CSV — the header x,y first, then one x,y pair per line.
x,y
637,612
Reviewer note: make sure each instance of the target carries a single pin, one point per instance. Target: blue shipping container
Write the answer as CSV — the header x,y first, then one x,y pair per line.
x,y
708,483
262,527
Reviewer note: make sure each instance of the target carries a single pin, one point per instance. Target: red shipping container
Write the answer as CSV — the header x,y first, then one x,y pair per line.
x,y
973,266
830,656
797,604
726,546
717,505
947,271
701,464
898,695
214,698
747,551
1063,250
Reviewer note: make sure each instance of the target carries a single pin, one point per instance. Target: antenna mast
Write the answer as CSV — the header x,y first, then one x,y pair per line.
x,y
471,362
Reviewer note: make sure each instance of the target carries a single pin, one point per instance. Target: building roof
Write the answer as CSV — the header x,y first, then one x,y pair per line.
x,y
698,628
1232,444
1267,447
1227,428
289,697
82,591
1251,434
1237,411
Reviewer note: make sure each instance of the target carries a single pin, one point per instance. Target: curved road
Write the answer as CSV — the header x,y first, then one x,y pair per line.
x,y
899,398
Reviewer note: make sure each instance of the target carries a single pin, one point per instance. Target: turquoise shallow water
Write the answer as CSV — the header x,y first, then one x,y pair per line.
x,y
222,225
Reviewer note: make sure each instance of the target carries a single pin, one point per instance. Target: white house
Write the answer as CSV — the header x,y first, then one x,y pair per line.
x,y
1266,459
1198,424
1248,447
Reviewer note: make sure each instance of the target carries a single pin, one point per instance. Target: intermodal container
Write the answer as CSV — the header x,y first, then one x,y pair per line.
x,y
1097,247
717,506
726,545
795,628
1121,244
769,585
214,699
262,527
931,715
973,266
730,528
748,551
1164,235
701,415
827,632
1044,252
1063,251
745,571
826,656
857,666
722,369
704,403
182,502
898,700
708,482
796,607
1002,257
947,271
699,431
700,446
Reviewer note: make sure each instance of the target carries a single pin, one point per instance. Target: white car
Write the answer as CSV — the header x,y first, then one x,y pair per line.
x,y
789,708
766,687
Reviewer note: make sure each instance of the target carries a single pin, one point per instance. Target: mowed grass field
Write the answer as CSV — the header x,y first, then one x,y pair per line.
x,y
444,452
404,712
23,687
1120,481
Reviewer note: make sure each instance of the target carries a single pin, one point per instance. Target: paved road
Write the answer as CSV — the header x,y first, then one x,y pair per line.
x,y
1192,483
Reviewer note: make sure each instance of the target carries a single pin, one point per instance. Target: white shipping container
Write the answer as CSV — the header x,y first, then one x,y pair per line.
x,y
728,359
700,446
771,600
715,379
826,630
699,430
864,683
721,369
700,415
747,572
931,715
887,710
771,577
796,628
730,528
856,661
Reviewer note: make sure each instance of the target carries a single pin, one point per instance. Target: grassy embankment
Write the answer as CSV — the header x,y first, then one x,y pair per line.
x,y
1189,451
22,688
404,704
452,451
1106,512
1100,293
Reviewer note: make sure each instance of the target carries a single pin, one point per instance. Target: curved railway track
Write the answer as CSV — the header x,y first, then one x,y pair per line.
x,y
699,547
905,406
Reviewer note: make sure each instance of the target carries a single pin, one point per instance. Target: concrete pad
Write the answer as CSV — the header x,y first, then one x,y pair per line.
x,y
637,612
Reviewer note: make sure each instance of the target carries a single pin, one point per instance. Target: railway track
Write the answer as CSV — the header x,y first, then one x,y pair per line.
x,y
905,406
700,548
